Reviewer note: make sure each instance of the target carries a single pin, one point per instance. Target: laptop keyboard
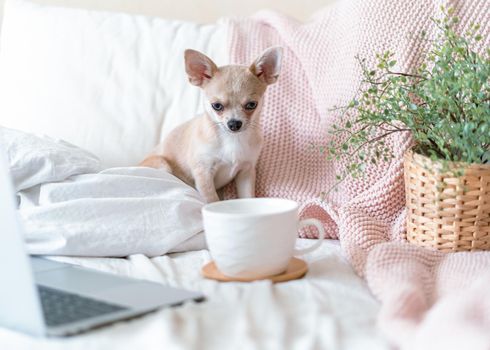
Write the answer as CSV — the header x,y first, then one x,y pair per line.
x,y
62,307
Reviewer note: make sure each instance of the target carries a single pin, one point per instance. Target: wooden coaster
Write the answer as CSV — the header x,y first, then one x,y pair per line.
x,y
297,268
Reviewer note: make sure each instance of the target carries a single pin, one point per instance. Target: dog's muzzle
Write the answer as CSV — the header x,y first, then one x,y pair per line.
x,y
234,125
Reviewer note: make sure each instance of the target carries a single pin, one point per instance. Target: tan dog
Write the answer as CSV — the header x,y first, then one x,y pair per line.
x,y
224,143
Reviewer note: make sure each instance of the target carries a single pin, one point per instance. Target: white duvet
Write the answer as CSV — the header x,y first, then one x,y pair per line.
x,y
330,308
70,207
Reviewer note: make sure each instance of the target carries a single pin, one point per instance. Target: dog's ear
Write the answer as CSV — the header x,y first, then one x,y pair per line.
x,y
268,65
199,67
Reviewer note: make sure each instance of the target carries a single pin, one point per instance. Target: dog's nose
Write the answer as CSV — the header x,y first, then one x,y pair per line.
x,y
234,125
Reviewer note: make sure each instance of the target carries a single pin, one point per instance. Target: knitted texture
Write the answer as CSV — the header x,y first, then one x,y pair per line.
x,y
368,214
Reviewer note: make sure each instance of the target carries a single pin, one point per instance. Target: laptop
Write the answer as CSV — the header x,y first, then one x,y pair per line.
x,y
47,298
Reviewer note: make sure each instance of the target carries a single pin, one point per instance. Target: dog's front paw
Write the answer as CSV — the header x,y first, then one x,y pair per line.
x,y
211,198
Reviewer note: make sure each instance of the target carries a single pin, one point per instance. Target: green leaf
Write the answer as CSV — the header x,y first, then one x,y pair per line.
x,y
444,103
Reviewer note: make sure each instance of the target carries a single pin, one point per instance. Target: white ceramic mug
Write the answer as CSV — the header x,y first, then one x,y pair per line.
x,y
255,237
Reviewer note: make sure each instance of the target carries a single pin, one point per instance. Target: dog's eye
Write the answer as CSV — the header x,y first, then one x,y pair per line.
x,y
217,106
251,105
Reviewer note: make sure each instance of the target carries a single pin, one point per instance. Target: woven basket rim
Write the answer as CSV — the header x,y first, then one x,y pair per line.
x,y
436,165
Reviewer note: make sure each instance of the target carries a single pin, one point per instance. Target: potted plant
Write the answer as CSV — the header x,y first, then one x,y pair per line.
x,y
445,105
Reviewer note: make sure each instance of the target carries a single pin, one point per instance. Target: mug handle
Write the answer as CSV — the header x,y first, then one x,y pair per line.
x,y
321,231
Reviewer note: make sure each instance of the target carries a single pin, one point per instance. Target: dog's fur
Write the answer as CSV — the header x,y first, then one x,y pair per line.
x,y
206,152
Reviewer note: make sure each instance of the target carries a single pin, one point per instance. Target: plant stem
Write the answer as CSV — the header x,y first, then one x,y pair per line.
x,y
377,138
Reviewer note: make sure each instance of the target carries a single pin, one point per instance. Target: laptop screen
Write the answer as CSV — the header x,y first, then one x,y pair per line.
x,y
20,306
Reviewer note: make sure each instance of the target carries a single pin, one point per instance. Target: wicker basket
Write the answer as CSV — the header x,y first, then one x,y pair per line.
x,y
447,212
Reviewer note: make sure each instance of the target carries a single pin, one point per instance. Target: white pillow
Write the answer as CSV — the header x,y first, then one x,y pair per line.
x,y
35,159
111,83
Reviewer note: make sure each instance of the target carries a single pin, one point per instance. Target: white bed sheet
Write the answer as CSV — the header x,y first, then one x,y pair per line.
x,y
330,308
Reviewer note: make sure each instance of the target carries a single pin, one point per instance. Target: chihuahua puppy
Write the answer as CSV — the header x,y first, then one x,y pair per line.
x,y
224,143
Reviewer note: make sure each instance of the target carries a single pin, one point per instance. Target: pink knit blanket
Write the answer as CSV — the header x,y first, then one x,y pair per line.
x,y
429,299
